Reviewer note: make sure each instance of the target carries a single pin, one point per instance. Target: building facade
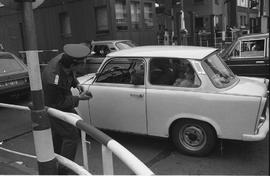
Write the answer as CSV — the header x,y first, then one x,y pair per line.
x,y
75,21
212,18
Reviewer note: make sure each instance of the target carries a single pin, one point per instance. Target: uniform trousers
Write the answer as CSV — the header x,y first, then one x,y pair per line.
x,y
65,139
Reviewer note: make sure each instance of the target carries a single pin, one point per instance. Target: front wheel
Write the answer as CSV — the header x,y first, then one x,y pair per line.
x,y
194,137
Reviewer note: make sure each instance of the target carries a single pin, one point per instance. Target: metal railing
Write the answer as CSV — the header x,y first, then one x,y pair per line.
x,y
109,146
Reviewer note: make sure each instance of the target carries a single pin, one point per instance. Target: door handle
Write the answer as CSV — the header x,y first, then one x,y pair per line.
x,y
259,62
136,95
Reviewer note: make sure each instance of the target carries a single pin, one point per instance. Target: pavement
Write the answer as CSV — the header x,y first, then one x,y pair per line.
x,y
8,133
9,167
12,163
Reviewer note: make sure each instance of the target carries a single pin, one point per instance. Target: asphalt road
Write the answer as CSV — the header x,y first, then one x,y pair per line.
x,y
235,157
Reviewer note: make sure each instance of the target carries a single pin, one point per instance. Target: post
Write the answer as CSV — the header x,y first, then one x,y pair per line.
x,y
107,161
40,122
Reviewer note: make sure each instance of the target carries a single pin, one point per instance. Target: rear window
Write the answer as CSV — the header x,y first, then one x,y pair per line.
x,y
9,64
125,45
218,72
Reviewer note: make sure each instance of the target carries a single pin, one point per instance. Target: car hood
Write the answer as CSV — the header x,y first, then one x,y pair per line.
x,y
86,79
250,86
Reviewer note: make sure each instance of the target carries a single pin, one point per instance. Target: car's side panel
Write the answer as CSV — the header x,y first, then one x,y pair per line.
x,y
240,66
118,107
234,115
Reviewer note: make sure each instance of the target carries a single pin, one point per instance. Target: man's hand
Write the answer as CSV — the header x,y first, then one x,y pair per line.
x,y
80,88
85,95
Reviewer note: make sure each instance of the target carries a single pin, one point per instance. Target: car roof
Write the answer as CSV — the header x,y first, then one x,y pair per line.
x,y
108,41
189,52
252,36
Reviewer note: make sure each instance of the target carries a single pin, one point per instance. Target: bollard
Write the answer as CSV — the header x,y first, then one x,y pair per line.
x,y
47,164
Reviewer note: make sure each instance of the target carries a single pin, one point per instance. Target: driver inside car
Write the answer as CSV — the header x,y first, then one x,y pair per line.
x,y
137,73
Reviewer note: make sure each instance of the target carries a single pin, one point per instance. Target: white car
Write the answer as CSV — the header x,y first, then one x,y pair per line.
x,y
182,92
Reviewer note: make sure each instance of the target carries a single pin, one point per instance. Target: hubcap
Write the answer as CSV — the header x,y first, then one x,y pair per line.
x,y
192,137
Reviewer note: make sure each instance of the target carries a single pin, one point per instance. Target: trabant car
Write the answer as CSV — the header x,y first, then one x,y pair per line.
x,y
248,55
185,93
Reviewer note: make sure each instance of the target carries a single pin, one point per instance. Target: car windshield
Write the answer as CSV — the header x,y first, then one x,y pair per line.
x,y
218,71
125,45
9,64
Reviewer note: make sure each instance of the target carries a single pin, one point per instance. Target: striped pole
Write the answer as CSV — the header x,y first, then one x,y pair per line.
x,y
121,152
47,163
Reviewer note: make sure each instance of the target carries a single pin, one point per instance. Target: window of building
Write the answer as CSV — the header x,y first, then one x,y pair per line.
x,y
121,15
135,12
241,20
148,15
242,3
101,19
65,27
199,24
198,1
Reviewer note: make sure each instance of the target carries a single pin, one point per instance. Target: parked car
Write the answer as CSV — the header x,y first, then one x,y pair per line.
x,y
99,50
14,79
135,91
249,55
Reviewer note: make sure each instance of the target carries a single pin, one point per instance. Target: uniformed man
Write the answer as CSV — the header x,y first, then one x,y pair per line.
x,y
57,78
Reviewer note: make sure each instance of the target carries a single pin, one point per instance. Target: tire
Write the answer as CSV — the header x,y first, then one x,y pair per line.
x,y
194,137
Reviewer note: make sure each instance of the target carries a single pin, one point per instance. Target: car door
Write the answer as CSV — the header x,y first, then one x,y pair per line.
x,y
249,57
117,103
166,99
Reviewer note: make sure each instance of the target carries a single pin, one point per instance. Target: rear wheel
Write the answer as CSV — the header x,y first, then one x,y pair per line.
x,y
194,137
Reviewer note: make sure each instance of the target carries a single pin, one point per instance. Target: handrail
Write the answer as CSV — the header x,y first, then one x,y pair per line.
x,y
62,160
121,152
72,165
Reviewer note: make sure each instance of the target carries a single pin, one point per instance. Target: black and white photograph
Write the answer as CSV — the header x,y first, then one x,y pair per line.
x,y
134,87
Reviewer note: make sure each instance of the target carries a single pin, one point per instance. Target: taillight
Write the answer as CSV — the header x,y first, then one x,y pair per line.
x,y
262,117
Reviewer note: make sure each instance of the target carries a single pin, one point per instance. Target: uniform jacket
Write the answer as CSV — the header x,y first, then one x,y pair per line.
x,y
57,84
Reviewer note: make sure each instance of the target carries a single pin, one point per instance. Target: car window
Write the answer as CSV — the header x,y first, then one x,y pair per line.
x,y
173,72
125,45
248,49
252,48
9,64
218,72
100,50
123,71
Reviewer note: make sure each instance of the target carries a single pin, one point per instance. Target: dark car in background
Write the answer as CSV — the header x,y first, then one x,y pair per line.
x,y
14,79
249,55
